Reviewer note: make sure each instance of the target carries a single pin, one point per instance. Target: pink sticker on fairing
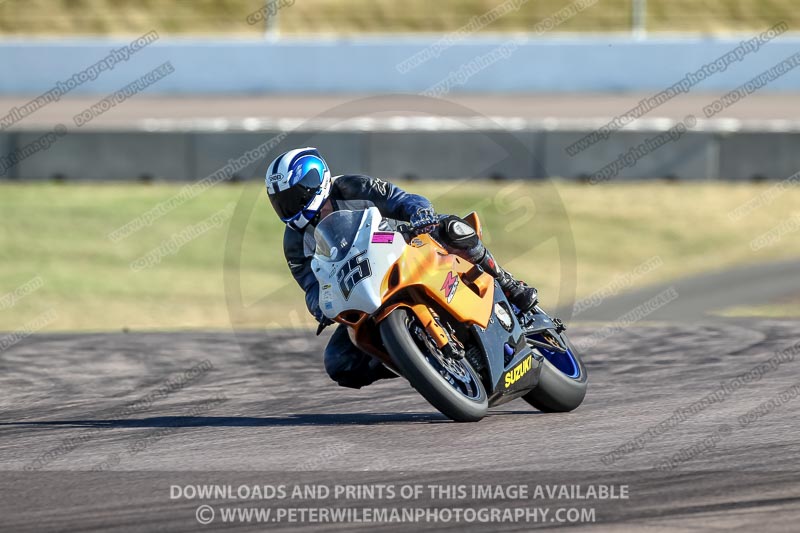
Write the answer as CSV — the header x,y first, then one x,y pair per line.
x,y
383,237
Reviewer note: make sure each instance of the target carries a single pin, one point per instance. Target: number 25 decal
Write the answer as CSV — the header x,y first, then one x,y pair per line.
x,y
352,273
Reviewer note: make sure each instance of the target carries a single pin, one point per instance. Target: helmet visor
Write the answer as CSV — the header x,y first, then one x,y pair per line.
x,y
290,203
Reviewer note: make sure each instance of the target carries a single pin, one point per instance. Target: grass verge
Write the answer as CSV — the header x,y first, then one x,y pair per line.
x,y
59,234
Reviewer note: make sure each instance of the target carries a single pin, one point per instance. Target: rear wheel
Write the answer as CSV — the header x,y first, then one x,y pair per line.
x,y
451,386
562,383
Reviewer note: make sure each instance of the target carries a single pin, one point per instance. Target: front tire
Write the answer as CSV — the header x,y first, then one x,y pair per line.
x,y
562,384
459,395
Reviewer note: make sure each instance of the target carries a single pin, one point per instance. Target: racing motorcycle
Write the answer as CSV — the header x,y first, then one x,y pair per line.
x,y
440,321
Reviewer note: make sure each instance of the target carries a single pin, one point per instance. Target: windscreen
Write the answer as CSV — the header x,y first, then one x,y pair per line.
x,y
336,233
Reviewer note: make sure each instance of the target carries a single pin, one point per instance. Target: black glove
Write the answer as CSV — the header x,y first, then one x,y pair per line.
x,y
424,220
320,317
324,321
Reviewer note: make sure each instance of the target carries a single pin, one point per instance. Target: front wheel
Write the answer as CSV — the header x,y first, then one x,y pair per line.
x,y
453,387
562,383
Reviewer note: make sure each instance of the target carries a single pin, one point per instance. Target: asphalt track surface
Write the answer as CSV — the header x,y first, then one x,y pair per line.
x,y
261,410
782,110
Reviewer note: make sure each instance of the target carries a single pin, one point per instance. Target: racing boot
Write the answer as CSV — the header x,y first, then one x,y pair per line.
x,y
518,293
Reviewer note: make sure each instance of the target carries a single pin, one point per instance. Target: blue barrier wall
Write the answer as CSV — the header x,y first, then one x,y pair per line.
x,y
369,65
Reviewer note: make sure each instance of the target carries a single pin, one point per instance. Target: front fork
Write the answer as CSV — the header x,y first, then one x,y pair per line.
x,y
449,346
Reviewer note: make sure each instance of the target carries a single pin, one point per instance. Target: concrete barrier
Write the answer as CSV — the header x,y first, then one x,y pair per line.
x,y
113,156
454,155
692,156
530,154
767,155
8,143
214,150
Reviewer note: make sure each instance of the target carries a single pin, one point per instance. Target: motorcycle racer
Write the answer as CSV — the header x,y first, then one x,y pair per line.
x,y
303,192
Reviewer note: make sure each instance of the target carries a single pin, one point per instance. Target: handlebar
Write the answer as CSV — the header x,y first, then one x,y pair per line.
x,y
406,231
409,233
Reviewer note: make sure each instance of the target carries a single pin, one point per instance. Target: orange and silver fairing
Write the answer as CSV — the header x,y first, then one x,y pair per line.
x,y
445,278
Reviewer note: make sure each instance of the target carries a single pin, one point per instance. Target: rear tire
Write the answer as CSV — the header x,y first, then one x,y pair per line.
x,y
557,392
425,378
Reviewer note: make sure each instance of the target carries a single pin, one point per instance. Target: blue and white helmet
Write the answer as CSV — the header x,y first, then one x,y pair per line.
x,y
298,183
